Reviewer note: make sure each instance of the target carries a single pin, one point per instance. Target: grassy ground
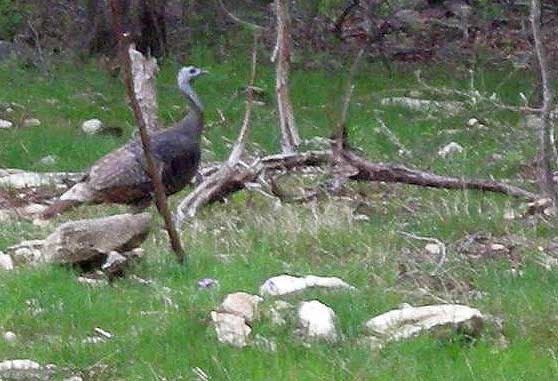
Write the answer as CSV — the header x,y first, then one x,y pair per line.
x,y
161,330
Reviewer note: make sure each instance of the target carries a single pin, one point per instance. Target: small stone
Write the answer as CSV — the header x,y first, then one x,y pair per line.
x,y
31,122
73,378
316,321
9,110
509,215
450,149
241,304
231,329
10,337
92,126
472,122
34,209
278,311
5,124
498,247
26,252
48,160
6,262
433,248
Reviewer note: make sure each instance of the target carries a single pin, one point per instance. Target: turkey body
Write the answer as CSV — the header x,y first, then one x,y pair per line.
x,y
121,176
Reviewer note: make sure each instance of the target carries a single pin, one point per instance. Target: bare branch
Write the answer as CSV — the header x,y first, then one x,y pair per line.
x,y
143,72
281,55
152,169
249,25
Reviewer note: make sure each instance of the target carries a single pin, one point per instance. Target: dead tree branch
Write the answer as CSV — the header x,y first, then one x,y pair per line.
x,y
370,171
153,170
545,130
281,55
143,72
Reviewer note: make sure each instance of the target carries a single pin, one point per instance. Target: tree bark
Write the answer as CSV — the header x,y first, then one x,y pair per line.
x,y
545,132
289,133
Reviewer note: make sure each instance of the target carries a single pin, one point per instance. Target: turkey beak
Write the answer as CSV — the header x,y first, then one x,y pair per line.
x,y
203,72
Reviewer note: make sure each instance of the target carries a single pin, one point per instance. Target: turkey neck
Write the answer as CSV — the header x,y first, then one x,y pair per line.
x,y
194,120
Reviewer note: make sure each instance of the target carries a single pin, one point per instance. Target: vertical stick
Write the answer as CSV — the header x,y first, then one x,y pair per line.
x,y
152,170
289,133
545,132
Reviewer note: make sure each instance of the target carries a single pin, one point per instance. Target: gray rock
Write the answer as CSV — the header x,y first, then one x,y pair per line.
x,y
241,304
5,124
316,321
26,252
231,329
83,240
92,126
412,321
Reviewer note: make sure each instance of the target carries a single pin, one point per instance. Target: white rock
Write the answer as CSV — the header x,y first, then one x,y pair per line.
x,y
34,209
92,126
287,284
472,122
231,329
73,378
316,321
10,337
37,179
450,149
24,370
412,321
498,247
9,110
26,252
433,248
6,262
31,122
5,124
48,160
241,304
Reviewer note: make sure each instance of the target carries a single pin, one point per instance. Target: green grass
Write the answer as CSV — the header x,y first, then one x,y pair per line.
x,y
247,240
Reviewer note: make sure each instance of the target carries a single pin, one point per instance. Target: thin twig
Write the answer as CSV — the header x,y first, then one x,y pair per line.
x,y
443,251
249,25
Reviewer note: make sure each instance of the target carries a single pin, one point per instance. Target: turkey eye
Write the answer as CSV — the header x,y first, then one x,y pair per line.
x,y
192,71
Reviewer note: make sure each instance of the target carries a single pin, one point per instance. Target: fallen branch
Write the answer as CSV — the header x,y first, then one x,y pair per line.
x,y
394,173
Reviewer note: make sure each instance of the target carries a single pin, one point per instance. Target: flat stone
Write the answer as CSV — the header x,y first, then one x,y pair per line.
x,y
21,180
412,321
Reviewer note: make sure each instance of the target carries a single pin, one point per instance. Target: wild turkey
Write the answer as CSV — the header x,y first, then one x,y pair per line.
x,y
121,177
